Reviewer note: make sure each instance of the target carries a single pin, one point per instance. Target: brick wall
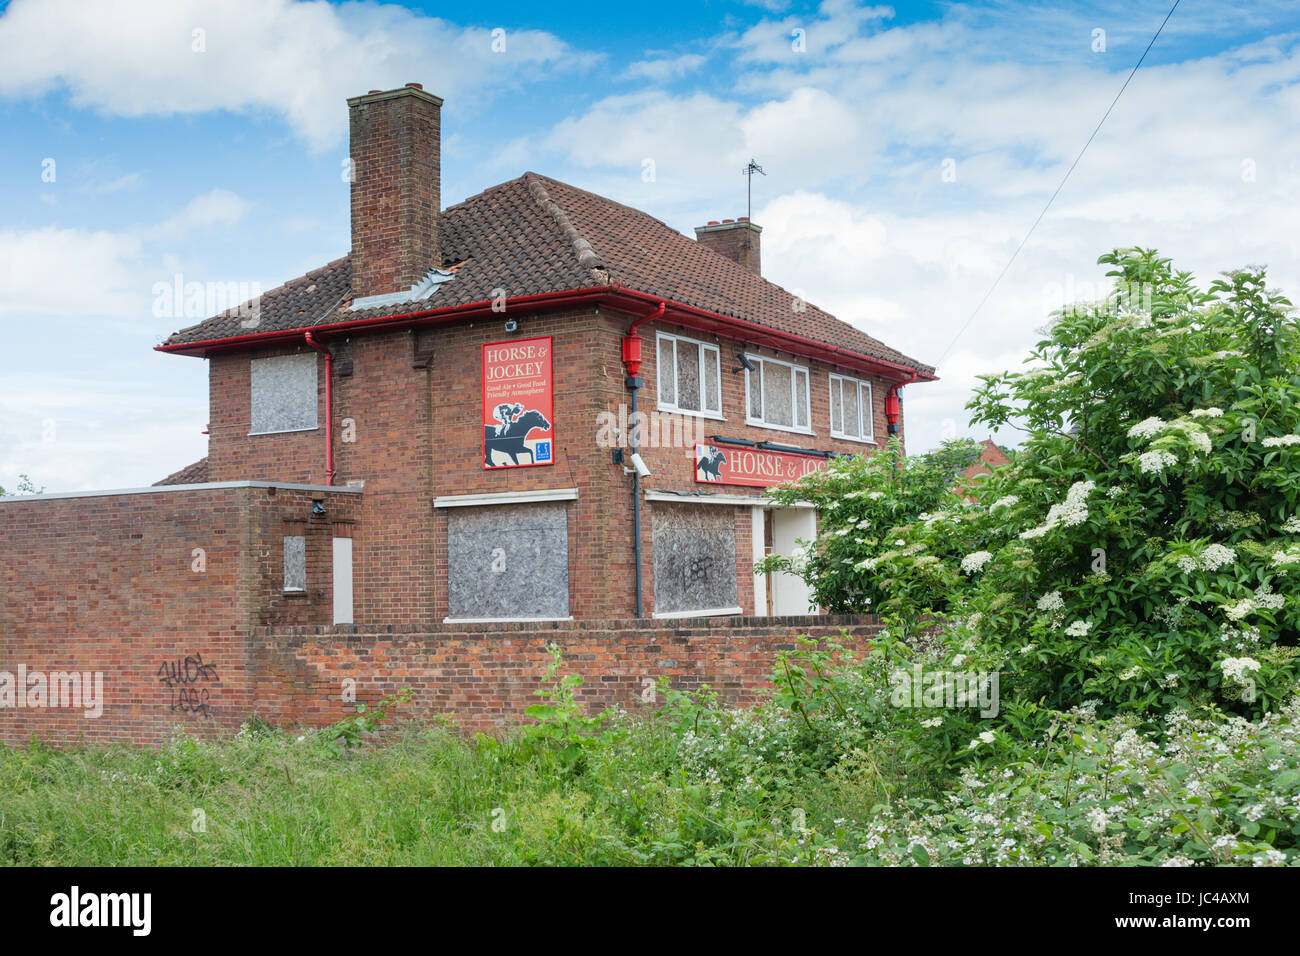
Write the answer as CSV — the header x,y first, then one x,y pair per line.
x,y
416,435
132,585
483,676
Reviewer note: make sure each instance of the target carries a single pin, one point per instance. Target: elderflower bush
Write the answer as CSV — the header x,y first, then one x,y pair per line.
x,y
1202,792
1146,530
865,503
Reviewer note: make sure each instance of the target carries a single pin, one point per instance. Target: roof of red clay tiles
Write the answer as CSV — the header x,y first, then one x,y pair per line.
x,y
535,235
195,474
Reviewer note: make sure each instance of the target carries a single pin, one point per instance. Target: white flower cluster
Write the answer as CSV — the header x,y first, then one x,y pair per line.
x,y
1073,511
1265,598
1207,413
1291,525
975,561
1006,502
1215,556
1239,610
1281,440
1200,439
875,495
1079,629
1156,461
1148,428
1288,555
1051,601
1235,668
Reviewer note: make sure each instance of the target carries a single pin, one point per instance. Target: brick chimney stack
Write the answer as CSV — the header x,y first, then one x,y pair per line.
x,y
737,239
396,188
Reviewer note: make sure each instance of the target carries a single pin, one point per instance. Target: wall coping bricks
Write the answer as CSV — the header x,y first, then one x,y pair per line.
x,y
167,489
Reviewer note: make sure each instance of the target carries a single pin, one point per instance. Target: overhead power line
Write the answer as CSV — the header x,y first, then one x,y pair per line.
x,y
1064,180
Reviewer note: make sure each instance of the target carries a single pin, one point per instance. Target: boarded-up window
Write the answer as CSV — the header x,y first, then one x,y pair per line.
x,y
851,408
694,558
689,375
667,373
508,561
295,562
283,393
778,394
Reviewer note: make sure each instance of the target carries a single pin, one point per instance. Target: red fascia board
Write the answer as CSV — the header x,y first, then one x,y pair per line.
x,y
618,297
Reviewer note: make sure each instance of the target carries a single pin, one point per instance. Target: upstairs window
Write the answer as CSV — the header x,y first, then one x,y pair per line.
x,y
851,415
690,376
778,395
283,393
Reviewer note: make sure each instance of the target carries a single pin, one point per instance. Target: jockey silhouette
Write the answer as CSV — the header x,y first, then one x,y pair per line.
x,y
506,413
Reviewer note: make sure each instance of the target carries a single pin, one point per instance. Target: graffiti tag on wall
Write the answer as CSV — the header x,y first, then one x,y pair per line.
x,y
184,677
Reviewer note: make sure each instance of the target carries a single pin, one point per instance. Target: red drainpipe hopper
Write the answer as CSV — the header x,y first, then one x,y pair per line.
x,y
632,342
891,404
329,406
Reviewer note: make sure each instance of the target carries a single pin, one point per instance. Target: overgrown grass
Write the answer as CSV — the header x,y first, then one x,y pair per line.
x,y
427,796
829,771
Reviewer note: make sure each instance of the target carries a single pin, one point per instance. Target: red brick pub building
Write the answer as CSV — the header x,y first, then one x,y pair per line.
x,y
535,415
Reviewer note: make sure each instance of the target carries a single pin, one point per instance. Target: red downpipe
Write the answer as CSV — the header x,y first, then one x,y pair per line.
x,y
891,403
329,406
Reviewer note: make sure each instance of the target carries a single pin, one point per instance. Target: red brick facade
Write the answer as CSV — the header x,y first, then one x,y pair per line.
x,y
108,583
417,435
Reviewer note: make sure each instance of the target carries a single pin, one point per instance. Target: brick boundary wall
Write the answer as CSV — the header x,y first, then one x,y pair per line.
x,y
480,677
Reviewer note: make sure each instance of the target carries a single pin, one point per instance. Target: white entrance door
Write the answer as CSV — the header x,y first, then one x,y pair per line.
x,y
782,529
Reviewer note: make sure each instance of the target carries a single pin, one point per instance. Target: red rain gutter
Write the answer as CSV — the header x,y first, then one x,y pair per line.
x,y
617,297
329,406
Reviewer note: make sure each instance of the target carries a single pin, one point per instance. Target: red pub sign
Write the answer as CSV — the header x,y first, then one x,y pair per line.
x,y
518,403
728,465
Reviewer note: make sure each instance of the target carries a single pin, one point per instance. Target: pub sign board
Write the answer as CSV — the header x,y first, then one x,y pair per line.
x,y
728,465
518,403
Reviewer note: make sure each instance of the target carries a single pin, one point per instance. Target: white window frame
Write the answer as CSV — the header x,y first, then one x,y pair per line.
x,y
703,348
758,360
866,413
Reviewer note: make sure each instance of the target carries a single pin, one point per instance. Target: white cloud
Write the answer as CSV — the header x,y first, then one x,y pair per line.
x,y
71,272
299,60
220,207
97,274
665,69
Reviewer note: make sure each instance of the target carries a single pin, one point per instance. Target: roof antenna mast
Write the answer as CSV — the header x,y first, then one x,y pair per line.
x,y
749,172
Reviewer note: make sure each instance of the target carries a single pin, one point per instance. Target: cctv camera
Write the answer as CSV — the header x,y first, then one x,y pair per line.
x,y
511,325
639,464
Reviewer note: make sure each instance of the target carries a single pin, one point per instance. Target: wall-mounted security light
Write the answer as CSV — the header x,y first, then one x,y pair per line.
x,y
318,507
745,363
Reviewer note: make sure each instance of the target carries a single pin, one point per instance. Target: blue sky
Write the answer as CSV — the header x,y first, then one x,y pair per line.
x,y
223,164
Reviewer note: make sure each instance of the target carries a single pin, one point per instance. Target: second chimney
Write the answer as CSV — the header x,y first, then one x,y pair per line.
x,y
737,239
396,188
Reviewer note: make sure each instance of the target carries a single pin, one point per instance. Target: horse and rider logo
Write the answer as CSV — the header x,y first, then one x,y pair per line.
x,y
708,464
508,437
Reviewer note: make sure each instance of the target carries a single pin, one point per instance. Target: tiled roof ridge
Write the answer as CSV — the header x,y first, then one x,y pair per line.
x,y
587,257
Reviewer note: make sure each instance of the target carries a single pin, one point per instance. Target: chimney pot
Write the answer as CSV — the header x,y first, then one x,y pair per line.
x,y
415,86
372,92
737,239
